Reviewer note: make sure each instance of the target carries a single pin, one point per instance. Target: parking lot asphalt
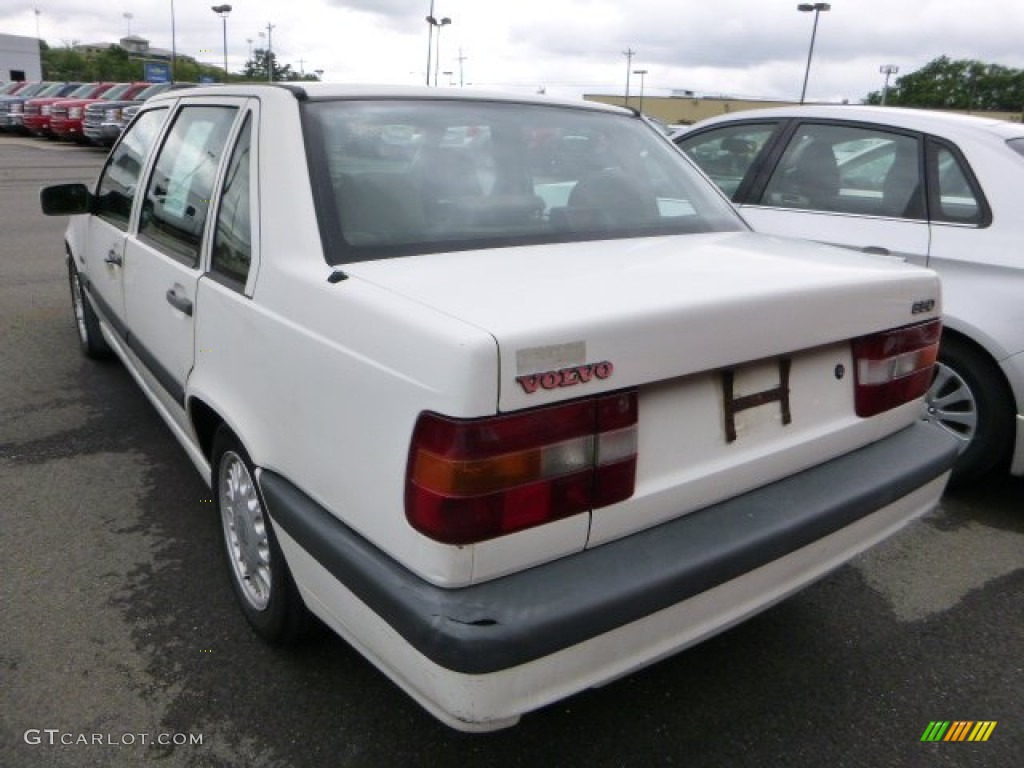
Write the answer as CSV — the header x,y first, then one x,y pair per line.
x,y
121,645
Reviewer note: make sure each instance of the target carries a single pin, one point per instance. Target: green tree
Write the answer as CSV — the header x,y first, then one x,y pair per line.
x,y
256,69
112,64
965,84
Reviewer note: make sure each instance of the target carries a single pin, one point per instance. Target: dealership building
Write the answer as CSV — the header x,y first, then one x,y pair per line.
x,y
19,58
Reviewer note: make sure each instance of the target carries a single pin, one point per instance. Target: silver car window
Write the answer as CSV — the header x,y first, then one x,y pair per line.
x,y
849,169
726,154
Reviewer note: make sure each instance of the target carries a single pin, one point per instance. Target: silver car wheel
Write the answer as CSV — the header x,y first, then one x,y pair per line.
x,y
951,404
245,530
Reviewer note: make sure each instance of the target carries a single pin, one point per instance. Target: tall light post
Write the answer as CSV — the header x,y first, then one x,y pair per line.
x,y
128,23
174,47
887,70
629,53
223,11
807,8
642,73
270,52
430,37
440,24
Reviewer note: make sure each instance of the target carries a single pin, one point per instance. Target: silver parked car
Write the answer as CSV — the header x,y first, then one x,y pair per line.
x,y
933,188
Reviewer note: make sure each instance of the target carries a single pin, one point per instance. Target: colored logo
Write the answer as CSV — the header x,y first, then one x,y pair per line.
x,y
958,730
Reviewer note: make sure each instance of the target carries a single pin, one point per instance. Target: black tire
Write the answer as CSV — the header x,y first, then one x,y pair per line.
x,y
970,399
259,575
90,338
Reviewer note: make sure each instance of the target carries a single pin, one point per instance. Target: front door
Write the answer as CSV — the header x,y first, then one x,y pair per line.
x,y
116,192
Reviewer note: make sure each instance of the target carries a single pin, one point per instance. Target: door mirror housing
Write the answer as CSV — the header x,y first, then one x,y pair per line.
x,y
65,199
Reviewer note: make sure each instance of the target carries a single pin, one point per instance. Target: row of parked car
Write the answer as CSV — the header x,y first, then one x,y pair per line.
x,y
84,112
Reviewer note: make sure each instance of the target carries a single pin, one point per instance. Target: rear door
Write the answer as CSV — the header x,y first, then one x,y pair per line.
x,y
162,262
854,185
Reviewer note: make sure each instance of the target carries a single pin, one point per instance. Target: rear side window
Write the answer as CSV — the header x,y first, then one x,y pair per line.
x,y
177,200
726,154
1017,145
119,181
849,169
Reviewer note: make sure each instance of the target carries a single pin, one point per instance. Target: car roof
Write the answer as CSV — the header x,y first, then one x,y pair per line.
x,y
925,120
335,91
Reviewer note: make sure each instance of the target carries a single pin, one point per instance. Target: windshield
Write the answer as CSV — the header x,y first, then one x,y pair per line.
x,y
152,90
53,89
32,89
400,177
115,91
83,91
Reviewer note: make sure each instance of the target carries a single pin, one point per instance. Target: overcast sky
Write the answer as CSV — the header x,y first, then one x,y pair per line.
x,y
747,48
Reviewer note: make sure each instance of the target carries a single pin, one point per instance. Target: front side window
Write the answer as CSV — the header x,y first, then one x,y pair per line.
x,y
849,169
120,178
726,154
400,177
232,239
178,197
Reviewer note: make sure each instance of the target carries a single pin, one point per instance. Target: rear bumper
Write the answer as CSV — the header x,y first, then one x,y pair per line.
x,y
479,656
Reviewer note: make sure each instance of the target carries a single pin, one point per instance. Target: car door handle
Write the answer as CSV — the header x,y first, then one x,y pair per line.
x,y
113,258
179,302
876,250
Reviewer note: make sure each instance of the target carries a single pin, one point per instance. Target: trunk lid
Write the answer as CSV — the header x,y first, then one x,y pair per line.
x,y
655,308
694,323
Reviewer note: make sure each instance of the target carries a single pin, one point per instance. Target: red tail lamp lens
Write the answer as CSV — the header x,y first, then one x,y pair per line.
x,y
469,480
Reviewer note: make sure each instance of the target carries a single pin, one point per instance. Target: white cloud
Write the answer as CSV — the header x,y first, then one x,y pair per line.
x,y
743,47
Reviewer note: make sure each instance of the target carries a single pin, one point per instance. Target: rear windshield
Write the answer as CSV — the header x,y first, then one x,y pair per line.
x,y
401,177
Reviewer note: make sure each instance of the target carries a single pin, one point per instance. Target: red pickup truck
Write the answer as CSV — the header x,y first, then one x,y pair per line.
x,y
38,111
67,116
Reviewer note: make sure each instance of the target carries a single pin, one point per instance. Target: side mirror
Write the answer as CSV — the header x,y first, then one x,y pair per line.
x,y
65,199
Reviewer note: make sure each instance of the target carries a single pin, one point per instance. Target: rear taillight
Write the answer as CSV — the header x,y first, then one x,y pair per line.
x,y
894,367
469,480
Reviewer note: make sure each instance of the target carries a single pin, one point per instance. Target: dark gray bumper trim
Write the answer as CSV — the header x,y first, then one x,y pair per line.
x,y
512,620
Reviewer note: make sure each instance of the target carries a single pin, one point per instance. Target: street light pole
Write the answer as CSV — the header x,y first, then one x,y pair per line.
x,y
439,23
807,8
430,37
629,53
270,52
887,70
642,73
174,47
223,11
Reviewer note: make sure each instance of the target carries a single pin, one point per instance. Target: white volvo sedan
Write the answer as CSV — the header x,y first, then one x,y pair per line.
x,y
499,388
